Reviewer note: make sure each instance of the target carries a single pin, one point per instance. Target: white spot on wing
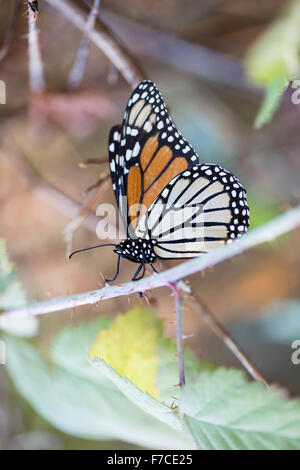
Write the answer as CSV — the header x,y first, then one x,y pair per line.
x,y
136,149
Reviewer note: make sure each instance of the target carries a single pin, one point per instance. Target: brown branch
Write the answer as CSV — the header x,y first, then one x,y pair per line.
x,y
93,161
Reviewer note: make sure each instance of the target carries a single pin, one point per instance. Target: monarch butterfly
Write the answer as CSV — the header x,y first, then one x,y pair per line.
x,y
172,206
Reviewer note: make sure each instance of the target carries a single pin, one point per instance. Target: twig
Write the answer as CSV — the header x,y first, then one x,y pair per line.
x,y
104,178
268,232
93,161
103,40
36,75
178,308
78,68
222,333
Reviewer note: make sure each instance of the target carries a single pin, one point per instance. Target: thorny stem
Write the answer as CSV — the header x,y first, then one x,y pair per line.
x,y
178,308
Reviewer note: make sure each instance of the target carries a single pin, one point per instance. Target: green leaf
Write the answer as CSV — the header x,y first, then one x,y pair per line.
x,y
273,60
276,52
272,98
84,402
132,352
143,400
127,353
224,411
71,346
13,296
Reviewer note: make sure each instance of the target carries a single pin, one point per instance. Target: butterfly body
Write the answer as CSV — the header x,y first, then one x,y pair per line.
x,y
138,251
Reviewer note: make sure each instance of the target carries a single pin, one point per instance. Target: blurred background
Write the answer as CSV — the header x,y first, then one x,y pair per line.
x,y
196,52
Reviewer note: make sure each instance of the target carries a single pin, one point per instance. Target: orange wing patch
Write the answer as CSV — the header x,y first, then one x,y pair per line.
x,y
178,165
148,151
134,189
157,171
157,165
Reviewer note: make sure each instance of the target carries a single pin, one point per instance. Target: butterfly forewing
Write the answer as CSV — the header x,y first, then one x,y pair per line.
x,y
146,153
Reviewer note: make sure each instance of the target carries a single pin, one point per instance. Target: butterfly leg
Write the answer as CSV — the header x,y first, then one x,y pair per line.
x,y
135,277
116,275
141,277
153,268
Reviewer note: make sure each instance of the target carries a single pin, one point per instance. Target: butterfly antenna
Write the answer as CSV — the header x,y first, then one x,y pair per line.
x,y
91,248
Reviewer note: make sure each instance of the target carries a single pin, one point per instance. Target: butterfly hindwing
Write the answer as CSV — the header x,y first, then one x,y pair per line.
x,y
199,210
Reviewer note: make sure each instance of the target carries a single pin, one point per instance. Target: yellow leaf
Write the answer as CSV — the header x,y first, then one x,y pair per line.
x,y
129,346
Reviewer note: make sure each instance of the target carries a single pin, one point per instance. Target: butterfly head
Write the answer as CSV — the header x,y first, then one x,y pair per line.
x,y
138,250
